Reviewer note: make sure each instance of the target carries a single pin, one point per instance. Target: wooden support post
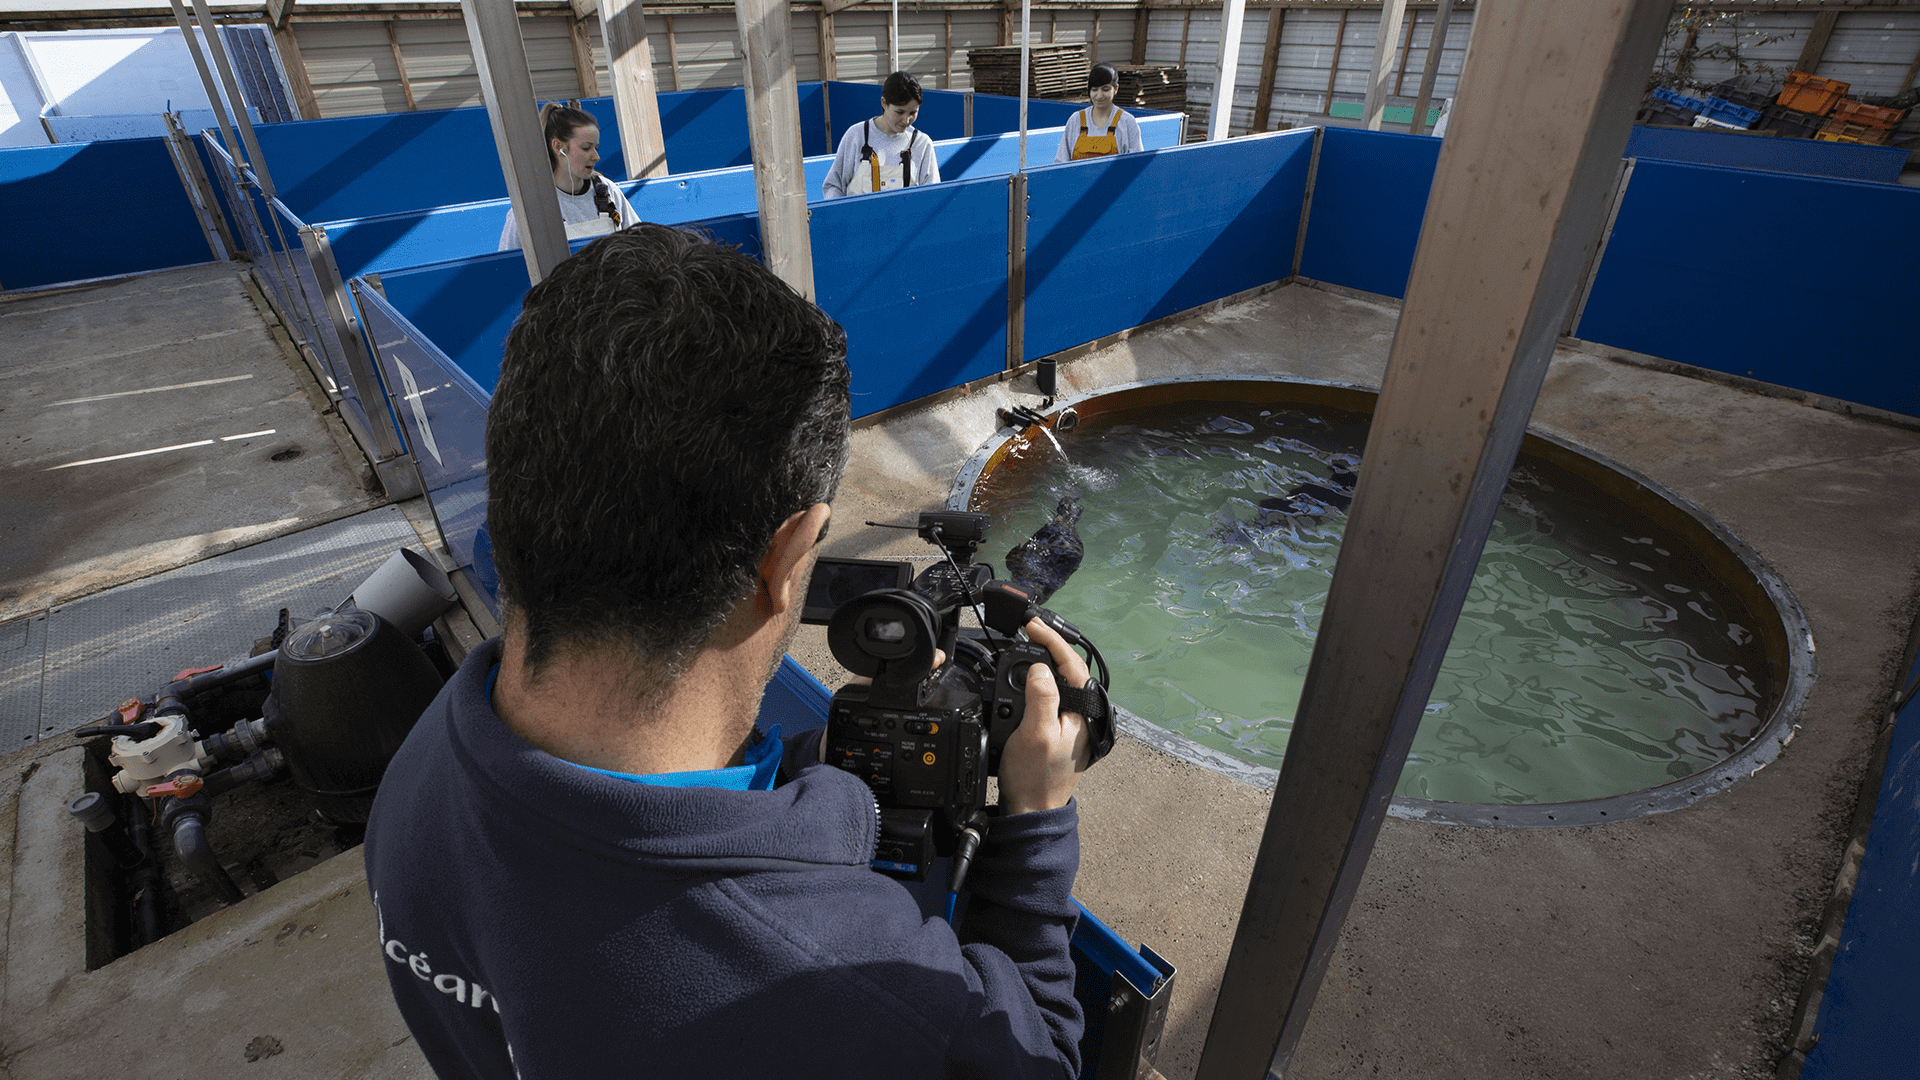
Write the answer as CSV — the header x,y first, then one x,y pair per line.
x,y
1333,68
829,49
498,51
1816,46
400,64
1093,49
1140,21
1436,41
302,86
1380,73
1406,53
623,23
1186,26
1519,198
673,53
773,122
946,46
1906,81
1269,60
1227,70
583,57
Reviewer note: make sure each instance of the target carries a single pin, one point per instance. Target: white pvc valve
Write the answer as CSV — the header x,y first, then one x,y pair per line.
x,y
141,762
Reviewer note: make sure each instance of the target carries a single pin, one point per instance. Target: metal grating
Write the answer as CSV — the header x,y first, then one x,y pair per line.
x,y
130,639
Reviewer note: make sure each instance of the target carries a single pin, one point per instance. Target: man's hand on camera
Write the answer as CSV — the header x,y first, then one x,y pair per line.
x,y
1046,753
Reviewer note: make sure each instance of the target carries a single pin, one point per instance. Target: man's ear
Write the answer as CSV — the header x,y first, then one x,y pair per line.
x,y
783,567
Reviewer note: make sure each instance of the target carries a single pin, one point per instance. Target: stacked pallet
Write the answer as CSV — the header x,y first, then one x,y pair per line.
x,y
1152,86
1053,71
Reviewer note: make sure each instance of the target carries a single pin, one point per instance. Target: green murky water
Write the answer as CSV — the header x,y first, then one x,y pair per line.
x,y
1584,664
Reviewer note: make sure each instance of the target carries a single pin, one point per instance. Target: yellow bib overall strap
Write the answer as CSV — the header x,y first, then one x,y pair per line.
x,y
878,176
1091,146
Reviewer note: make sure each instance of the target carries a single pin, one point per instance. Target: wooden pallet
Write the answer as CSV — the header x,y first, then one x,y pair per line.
x,y
1152,86
1053,71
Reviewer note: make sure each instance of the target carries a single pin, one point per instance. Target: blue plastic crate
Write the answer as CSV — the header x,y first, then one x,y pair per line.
x,y
1728,113
1691,104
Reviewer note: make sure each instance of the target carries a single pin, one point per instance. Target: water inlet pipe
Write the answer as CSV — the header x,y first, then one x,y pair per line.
x,y
187,817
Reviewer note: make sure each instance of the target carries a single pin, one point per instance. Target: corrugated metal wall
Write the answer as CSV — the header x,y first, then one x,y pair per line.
x,y
1321,60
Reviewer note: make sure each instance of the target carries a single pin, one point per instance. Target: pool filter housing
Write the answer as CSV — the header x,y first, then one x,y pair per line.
x,y
348,687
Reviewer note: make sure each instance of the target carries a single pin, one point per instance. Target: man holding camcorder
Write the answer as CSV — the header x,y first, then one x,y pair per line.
x,y
586,861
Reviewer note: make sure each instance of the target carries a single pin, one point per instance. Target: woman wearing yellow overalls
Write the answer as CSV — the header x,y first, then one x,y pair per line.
x,y
1103,128
886,152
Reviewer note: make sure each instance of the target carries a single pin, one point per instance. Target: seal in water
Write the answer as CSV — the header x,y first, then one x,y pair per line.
x,y
1051,555
1313,498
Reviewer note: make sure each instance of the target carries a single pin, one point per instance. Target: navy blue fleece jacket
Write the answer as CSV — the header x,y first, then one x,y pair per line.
x,y
541,921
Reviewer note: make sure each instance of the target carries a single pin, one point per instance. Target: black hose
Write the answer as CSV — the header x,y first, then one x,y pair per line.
x,y
173,696
264,765
190,843
143,880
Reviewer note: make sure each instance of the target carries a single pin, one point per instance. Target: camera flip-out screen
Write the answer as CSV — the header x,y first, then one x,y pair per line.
x,y
836,581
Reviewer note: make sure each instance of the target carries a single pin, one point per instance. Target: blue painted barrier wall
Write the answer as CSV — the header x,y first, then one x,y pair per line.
x,y
75,211
1865,1024
416,238
1816,300
1117,242
1740,150
1368,201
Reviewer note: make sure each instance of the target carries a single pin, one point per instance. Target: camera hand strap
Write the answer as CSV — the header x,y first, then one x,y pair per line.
x,y
1091,702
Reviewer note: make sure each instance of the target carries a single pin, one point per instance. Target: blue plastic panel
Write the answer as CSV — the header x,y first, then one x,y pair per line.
x,y
1739,150
1116,242
1369,199
1866,1022
1814,299
86,210
919,280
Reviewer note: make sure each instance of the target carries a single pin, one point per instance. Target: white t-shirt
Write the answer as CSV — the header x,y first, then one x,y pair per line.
x,y
576,210
1126,136
839,181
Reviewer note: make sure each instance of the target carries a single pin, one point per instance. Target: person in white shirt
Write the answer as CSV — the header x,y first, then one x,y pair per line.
x,y
886,152
1103,129
590,204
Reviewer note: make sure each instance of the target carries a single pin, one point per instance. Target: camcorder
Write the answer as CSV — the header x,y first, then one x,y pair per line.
x,y
926,738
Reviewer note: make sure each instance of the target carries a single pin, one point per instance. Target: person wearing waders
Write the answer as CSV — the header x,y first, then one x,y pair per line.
x,y
1102,129
886,152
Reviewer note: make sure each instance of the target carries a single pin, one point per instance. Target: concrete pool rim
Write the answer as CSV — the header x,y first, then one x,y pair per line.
x,y
1788,643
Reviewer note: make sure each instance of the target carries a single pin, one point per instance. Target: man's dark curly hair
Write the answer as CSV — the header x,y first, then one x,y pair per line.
x,y
664,405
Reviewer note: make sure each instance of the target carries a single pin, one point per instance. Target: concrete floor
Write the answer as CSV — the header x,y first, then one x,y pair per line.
x,y
1666,947
159,375
1670,946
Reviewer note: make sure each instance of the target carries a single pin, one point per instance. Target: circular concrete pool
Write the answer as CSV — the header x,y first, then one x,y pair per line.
x,y
1619,653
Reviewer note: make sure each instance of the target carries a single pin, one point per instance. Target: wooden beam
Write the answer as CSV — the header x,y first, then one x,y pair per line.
x,y
1186,26
583,56
302,86
1906,82
773,122
1227,71
1385,37
1269,61
400,65
623,25
1140,35
1816,46
1406,53
1436,43
584,9
829,65
1333,67
832,6
946,46
673,53
1093,49
277,12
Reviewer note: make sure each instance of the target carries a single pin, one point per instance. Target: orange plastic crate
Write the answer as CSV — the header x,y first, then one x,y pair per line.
x,y
1873,116
1838,130
1812,94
